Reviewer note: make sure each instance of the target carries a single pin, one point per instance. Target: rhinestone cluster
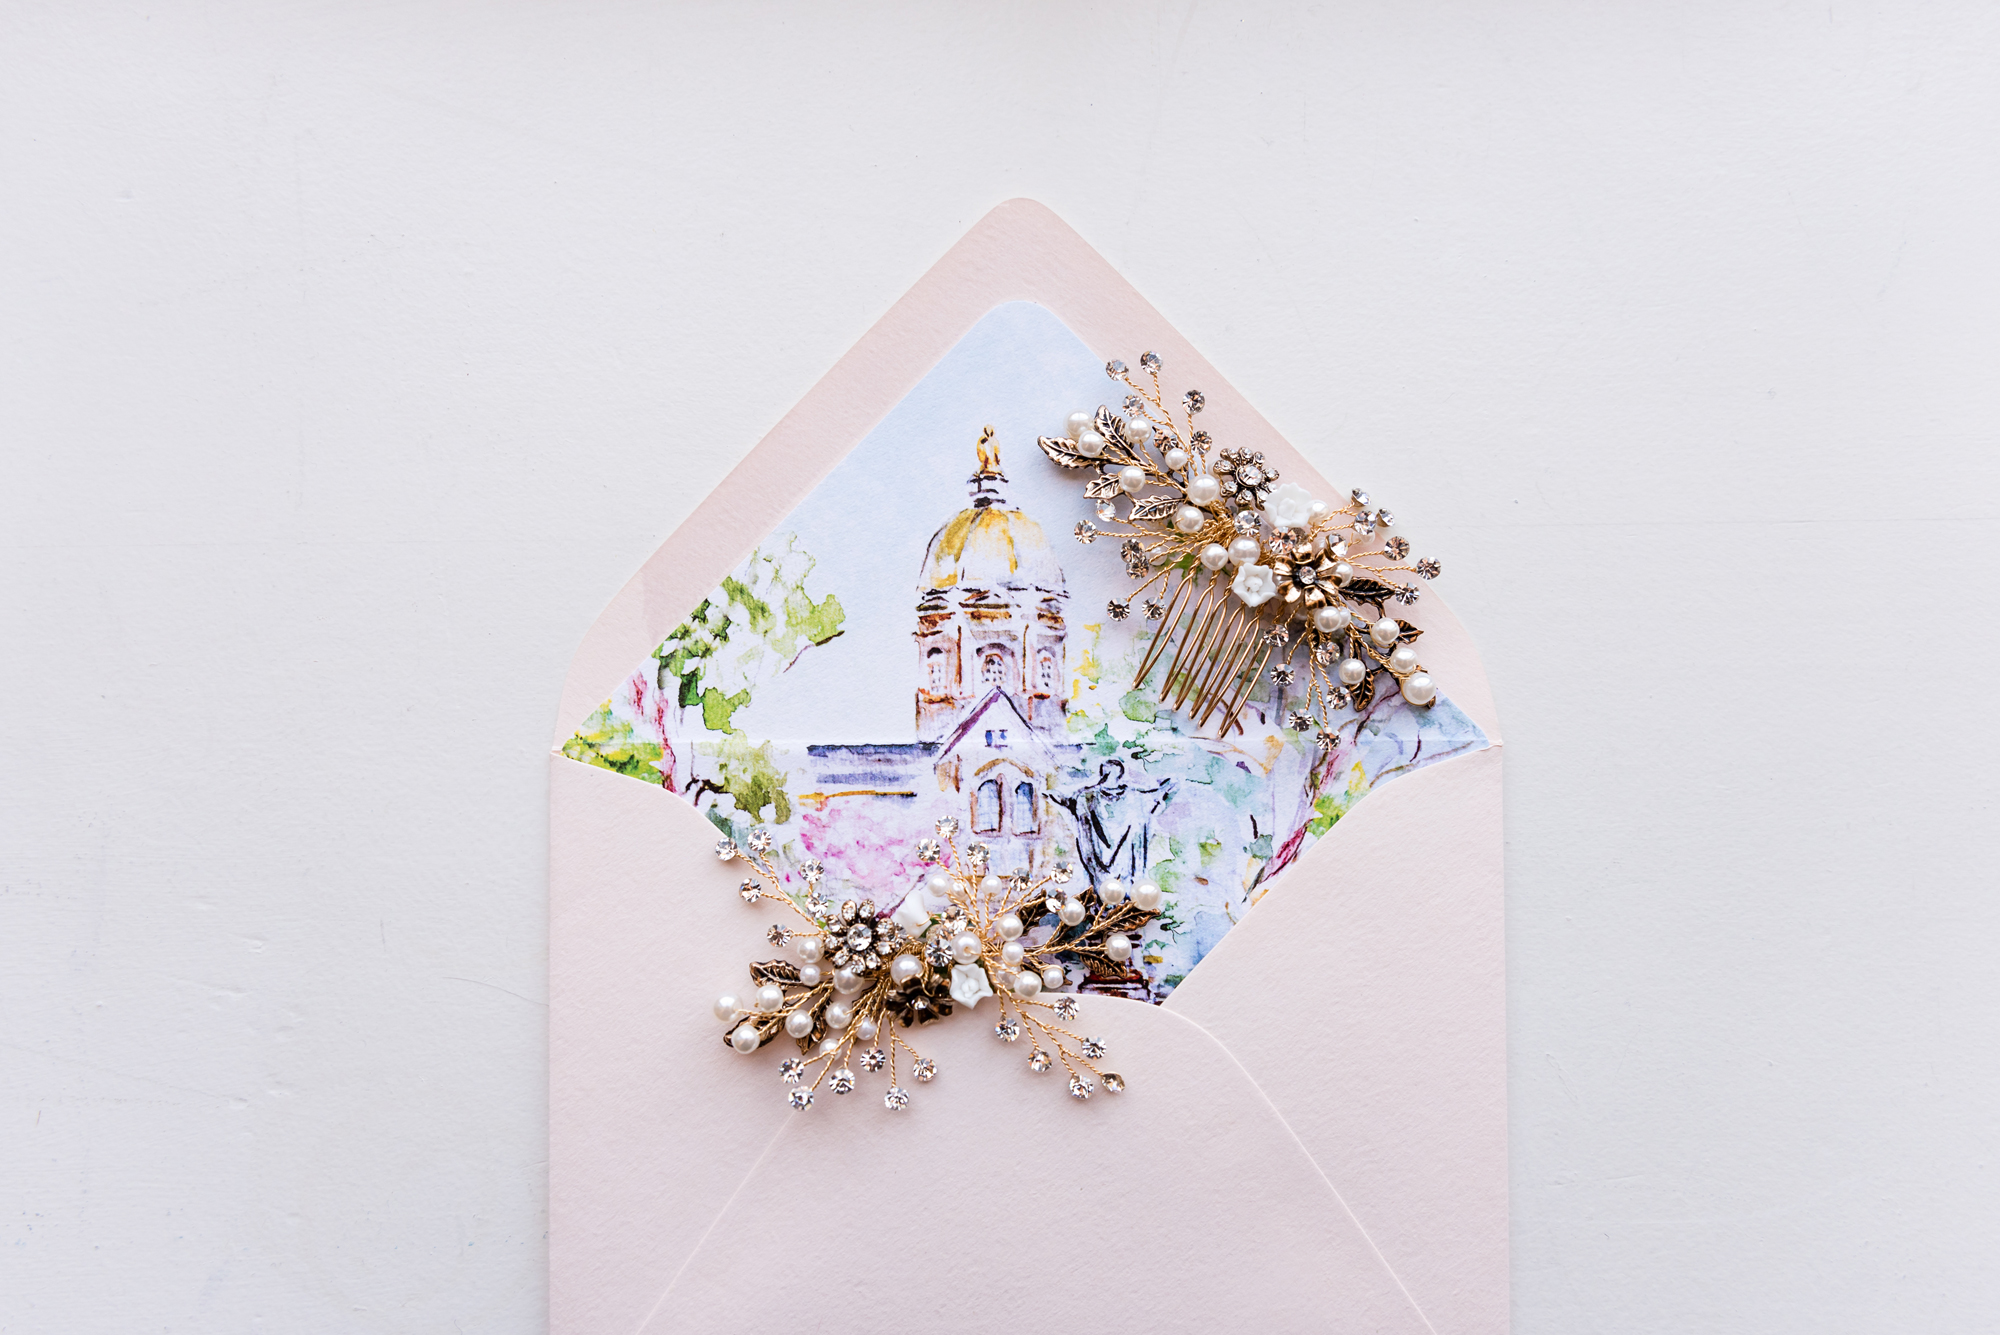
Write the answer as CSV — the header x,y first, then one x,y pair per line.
x,y
866,975
1224,551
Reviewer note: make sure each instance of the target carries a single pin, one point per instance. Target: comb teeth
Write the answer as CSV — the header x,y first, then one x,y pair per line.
x,y
1219,645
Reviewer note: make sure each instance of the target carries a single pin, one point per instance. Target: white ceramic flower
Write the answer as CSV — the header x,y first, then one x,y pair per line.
x,y
1290,506
1255,585
912,916
968,984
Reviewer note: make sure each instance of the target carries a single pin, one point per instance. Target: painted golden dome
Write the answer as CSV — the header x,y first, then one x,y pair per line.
x,y
989,544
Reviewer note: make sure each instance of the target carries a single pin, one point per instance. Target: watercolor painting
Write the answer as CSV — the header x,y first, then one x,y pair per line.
x,y
922,638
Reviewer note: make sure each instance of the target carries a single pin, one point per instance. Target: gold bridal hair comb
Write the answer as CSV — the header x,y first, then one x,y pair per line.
x,y
1240,571
865,978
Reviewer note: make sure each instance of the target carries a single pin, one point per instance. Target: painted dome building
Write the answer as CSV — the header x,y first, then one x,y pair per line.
x,y
990,612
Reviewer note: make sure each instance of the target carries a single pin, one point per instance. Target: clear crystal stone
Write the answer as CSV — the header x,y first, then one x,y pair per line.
x,y
1282,674
1364,524
924,1069
1106,510
802,1099
1119,611
1301,720
947,827
1386,519
1114,369
1007,1031
725,849
1360,497
1194,399
848,909
1065,1008
1114,1083
928,850
791,1070
1248,522
874,1059
842,1081
812,871
778,934
1202,438
938,952
760,841
860,936
1150,360
1134,405
1086,532
1079,1088
750,891
1249,475
1039,1061
977,854
1154,611
1093,1048
896,1099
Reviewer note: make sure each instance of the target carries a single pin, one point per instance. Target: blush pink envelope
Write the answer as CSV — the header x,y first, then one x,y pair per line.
x,y
1335,1165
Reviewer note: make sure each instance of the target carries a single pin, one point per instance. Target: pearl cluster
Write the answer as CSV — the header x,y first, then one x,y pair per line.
x,y
1020,940
1243,570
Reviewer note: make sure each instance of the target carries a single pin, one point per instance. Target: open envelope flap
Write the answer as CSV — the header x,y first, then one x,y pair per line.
x,y
691,1199
1398,1085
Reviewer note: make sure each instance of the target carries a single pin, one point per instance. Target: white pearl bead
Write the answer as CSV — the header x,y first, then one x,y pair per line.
x,y
865,1030
810,949
992,886
1111,890
1384,632
1012,954
965,947
726,1006
1204,490
1214,555
1052,977
1027,985
745,1037
846,982
838,1013
939,884
1011,926
1319,509
1071,912
1175,458
1119,947
905,967
799,1023
1245,550
1342,572
1090,443
1332,620
809,975
1138,431
1078,424
829,1043
1419,689
1132,478
1187,519
1147,895
1351,671
770,997
1404,661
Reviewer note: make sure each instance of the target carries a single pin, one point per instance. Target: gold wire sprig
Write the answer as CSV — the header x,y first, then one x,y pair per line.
x,y
1240,572
894,971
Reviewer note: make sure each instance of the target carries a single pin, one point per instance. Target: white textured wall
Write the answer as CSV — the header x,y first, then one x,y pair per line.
x,y
354,354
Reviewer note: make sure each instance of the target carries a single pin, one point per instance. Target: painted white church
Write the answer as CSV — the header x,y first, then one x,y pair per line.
x,y
991,701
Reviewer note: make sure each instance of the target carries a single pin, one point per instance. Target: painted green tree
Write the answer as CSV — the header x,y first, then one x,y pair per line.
x,y
706,669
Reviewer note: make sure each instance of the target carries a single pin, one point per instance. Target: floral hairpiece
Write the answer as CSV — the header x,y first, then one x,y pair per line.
x,y
1301,567
867,977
